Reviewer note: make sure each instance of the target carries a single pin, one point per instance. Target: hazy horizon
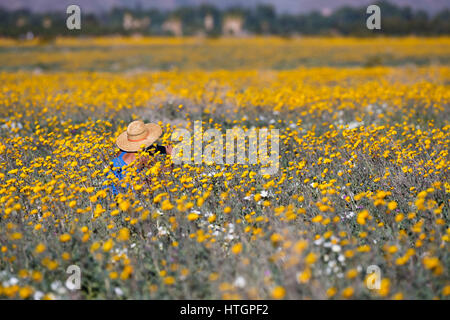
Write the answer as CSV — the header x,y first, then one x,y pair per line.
x,y
281,6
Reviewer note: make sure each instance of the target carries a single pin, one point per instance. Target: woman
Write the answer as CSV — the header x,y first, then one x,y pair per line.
x,y
137,135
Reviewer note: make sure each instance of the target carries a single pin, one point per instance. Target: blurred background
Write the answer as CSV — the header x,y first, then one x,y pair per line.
x,y
26,19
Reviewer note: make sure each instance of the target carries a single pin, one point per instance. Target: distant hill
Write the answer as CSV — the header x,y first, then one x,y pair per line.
x,y
291,6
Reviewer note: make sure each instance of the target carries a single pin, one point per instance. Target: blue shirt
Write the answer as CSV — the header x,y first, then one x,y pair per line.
x,y
119,172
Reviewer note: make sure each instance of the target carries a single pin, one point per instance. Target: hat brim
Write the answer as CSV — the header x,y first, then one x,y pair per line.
x,y
154,132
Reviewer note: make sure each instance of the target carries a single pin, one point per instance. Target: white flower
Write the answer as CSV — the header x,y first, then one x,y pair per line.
x,y
13,281
38,295
118,291
240,282
336,248
13,125
55,285
264,193
318,242
120,251
208,214
355,124
212,173
341,258
61,290
347,215
162,231
229,237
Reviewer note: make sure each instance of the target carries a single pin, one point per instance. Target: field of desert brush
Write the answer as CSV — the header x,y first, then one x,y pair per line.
x,y
363,176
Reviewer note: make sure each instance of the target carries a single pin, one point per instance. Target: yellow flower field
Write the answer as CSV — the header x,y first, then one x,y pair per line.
x,y
153,53
363,177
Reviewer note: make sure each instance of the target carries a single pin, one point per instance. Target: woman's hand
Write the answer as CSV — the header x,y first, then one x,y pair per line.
x,y
169,150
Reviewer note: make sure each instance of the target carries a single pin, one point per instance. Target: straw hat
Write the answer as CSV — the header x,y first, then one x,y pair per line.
x,y
138,133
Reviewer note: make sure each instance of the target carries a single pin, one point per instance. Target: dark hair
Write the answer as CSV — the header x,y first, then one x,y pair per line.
x,y
154,149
